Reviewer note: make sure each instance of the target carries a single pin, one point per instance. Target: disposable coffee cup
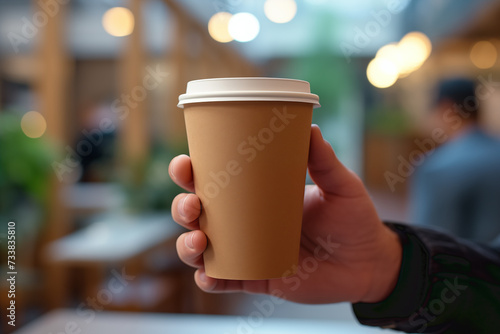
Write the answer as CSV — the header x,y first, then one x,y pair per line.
x,y
249,142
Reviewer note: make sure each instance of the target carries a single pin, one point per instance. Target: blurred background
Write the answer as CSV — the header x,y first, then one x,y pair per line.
x,y
89,123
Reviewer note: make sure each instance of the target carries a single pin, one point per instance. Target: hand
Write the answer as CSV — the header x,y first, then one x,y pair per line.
x,y
357,257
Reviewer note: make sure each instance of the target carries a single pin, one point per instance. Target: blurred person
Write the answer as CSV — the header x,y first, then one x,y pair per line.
x,y
96,141
396,276
457,188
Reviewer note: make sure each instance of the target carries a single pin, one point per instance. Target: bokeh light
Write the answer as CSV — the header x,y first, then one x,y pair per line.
x,y
484,55
218,27
280,11
389,51
243,27
118,21
392,53
382,73
415,47
33,124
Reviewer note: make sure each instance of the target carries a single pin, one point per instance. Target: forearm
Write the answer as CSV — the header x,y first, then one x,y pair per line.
x,y
445,284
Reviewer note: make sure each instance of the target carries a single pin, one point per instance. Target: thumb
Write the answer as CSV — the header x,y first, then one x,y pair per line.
x,y
329,174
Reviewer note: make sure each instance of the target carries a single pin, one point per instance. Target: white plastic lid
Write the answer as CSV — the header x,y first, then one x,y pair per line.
x,y
248,89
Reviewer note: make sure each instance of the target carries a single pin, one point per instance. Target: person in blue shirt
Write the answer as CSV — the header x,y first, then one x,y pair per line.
x,y
457,188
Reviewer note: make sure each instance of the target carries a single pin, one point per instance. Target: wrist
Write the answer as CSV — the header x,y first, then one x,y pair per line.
x,y
387,266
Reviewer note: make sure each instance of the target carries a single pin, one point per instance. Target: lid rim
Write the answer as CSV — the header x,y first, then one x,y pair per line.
x,y
250,78
315,104
248,89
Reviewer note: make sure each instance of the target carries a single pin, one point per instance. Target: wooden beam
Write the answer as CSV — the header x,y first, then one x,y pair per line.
x,y
225,49
214,60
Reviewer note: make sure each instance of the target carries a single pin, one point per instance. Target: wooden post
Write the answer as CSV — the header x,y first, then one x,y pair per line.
x,y
134,134
176,131
53,79
51,86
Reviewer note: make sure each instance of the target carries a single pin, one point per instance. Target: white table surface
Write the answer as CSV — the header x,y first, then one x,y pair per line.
x,y
70,322
113,238
93,196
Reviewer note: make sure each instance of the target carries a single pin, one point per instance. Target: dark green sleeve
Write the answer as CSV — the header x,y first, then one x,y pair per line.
x,y
446,285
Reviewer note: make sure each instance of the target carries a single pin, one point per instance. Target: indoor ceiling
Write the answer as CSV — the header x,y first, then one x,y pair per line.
x,y
324,25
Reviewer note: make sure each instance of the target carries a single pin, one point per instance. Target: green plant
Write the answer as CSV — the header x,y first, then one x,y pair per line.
x,y
388,120
148,185
25,168
25,165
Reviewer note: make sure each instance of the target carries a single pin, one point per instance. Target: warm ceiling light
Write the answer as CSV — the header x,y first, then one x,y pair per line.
x,y
243,27
118,21
218,27
484,54
382,73
392,53
33,124
420,38
280,11
415,48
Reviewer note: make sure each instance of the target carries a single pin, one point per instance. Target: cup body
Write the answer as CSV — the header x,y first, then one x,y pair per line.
x,y
249,162
249,141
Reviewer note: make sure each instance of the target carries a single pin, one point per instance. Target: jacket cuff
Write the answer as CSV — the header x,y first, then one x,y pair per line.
x,y
410,289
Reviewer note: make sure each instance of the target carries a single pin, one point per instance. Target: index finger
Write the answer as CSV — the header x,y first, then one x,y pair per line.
x,y
181,172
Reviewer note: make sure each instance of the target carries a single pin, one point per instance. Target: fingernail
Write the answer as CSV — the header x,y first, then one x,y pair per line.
x,y
319,130
189,241
181,208
205,280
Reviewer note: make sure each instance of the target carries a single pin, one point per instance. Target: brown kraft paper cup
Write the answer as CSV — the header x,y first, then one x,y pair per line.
x,y
249,163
